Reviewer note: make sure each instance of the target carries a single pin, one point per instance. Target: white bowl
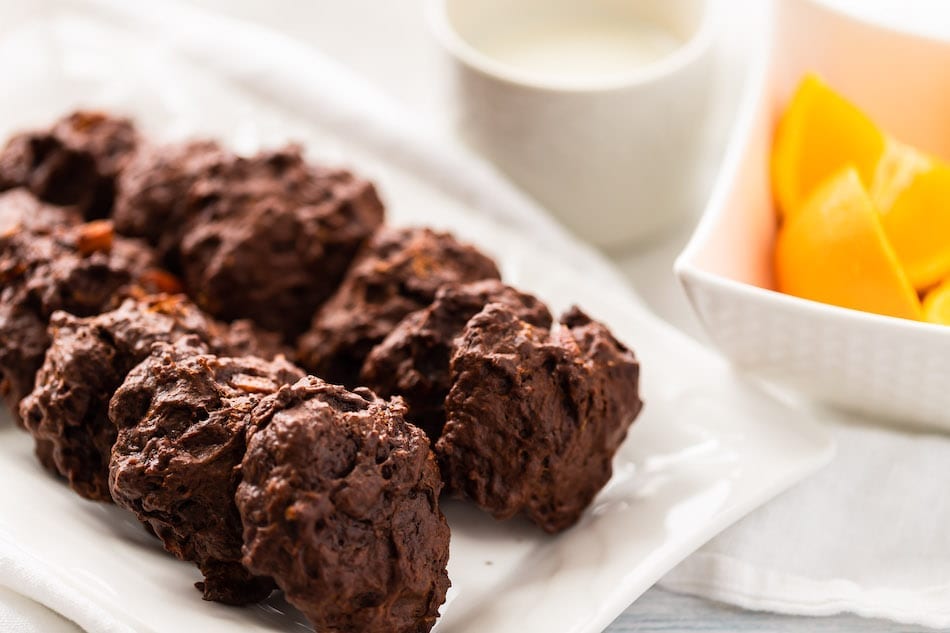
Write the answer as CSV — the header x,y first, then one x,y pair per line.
x,y
618,157
890,368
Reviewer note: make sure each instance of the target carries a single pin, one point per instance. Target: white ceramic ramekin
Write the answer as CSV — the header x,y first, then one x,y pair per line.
x,y
616,159
890,368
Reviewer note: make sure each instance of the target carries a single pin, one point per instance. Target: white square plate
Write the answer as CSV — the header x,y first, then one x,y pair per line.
x,y
707,449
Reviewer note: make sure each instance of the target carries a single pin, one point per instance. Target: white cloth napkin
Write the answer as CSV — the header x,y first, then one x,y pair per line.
x,y
33,600
20,614
866,535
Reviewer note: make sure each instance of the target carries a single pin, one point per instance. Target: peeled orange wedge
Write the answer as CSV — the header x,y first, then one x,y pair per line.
x,y
820,133
911,190
937,304
834,250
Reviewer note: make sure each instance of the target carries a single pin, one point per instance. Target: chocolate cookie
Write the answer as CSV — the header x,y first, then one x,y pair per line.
x,y
82,270
413,361
74,163
266,237
88,359
182,419
399,272
272,236
340,504
534,419
152,198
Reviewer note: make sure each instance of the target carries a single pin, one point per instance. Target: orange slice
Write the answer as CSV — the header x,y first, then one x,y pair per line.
x,y
937,304
834,250
820,133
911,190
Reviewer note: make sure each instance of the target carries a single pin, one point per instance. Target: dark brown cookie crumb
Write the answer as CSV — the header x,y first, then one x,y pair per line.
x,y
182,420
534,419
398,273
340,504
413,361
74,163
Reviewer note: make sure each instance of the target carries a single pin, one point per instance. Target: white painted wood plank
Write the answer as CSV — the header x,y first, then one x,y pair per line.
x,y
660,611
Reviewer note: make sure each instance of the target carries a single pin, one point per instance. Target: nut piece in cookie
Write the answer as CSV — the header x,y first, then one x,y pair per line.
x,y
413,361
534,418
182,420
74,163
340,504
83,270
87,360
398,273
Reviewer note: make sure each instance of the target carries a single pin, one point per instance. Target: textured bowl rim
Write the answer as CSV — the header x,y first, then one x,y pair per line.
x,y
691,276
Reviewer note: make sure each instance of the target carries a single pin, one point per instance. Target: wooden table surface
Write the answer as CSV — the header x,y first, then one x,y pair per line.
x,y
659,611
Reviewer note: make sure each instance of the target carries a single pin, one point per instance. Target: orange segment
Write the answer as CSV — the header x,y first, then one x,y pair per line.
x,y
911,190
937,304
834,250
820,133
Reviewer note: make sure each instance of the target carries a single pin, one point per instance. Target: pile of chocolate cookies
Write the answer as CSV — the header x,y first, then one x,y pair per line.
x,y
279,385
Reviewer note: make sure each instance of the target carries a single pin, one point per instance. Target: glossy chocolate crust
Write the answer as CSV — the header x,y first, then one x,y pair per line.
x,y
74,163
398,273
534,418
266,237
87,360
413,361
340,504
83,269
182,419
